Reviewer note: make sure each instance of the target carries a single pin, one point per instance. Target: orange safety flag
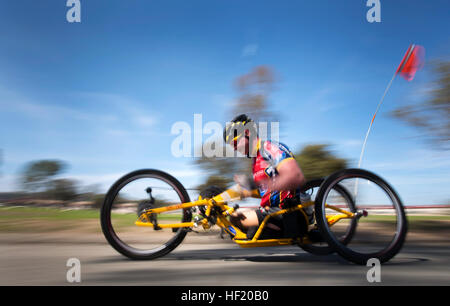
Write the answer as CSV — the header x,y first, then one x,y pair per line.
x,y
411,62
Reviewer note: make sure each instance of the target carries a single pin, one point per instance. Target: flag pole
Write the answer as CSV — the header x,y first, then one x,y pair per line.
x,y
373,119
370,127
409,61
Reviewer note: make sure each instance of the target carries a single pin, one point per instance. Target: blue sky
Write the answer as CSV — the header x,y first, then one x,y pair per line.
x,y
103,94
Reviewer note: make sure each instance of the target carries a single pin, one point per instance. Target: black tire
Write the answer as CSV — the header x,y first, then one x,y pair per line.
x,y
346,251
326,249
107,227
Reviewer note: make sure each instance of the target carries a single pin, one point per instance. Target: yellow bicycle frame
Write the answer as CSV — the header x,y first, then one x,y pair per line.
x,y
239,237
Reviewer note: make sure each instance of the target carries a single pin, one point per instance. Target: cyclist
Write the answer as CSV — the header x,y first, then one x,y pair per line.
x,y
276,175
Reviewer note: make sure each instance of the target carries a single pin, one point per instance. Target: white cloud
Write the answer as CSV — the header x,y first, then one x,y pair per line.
x,y
104,181
416,160
117,132
145,121
15,102
120,115
250,50
9,182
131,110
351,142
184,173
419,180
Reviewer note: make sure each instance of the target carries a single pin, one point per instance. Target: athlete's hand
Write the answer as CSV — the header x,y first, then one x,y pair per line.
x,y
246,184
244,181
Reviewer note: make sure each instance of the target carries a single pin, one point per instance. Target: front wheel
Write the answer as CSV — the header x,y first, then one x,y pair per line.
x,y
128,198
381,219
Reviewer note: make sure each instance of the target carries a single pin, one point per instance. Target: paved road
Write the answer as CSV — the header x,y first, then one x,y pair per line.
x,y
40,259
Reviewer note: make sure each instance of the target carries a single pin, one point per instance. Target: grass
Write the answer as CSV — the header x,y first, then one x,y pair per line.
x,y
62,214
44,219
18,213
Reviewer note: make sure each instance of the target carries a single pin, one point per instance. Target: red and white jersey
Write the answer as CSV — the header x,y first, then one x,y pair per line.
x,y
270,155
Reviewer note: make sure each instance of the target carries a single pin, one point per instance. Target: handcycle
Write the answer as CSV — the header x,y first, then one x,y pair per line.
x,y
147,213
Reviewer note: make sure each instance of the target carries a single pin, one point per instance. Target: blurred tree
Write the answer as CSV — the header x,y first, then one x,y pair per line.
x,y
87,193
215,180
317,161
219,170
97,200
63,189
37,175
432,115
253,89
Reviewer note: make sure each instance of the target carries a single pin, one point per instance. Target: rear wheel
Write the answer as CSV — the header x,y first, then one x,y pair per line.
x,y
133,194
382,224
346,228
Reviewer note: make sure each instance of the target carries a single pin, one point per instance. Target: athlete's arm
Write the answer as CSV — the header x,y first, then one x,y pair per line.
x,y
289,177
248,187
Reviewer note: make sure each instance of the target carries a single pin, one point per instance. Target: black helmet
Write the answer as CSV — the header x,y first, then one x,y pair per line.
x,y
237,127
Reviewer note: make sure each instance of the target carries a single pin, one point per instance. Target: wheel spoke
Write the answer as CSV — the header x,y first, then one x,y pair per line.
x,y
126,203
343,205
380,216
